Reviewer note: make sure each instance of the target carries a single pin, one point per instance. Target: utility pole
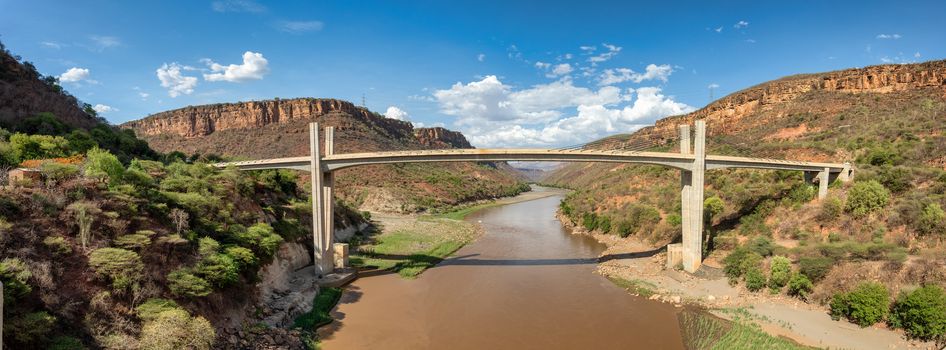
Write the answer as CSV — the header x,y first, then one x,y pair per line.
x,y
711,87
363,104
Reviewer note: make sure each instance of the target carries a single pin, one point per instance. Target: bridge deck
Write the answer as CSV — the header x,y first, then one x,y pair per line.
x,y
674,160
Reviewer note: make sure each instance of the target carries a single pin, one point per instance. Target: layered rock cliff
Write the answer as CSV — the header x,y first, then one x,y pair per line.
x,y
438,137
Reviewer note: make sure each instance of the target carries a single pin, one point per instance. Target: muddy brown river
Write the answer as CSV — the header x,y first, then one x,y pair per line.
x,y
525,284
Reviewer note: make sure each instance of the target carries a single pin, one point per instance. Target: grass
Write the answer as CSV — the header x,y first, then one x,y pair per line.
x,y
637,286
320,314
704,331
462,213
410,251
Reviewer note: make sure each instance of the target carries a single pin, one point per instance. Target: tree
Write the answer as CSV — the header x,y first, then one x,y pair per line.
x,y
84,213
179,218
931,220
122,266
867,304
867,197
27,147
102,165
176,329
921,313
713,206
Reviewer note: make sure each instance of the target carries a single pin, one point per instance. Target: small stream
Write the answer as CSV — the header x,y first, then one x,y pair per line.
x,y
526,284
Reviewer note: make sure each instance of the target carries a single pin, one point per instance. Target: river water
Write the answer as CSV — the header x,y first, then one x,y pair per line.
x,y
525,284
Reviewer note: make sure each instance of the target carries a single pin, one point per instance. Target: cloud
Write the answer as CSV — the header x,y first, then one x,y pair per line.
x,y
100,43
713,86
740,24
299,27
100,108
481,57
589,48
171,78
396,113
605,56
74,75
542,65
620,75
889,36
254,67
719,29
237,6
51,45
917,55
751,41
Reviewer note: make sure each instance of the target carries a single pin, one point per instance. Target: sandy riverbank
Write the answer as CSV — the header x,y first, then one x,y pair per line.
x,y
805,323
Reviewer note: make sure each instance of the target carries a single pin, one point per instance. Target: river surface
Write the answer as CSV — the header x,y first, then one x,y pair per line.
x,y
525,284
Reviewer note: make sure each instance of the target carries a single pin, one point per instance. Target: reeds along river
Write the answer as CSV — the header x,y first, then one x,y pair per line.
x,y
526,284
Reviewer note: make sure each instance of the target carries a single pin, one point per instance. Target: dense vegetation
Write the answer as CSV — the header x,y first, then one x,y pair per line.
x,y
766,229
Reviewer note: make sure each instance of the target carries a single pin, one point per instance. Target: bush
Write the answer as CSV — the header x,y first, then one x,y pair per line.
x,y
755,279
800,286
931,220
137,178
867,197
831,208
122,266
713,206
815,268
780,270
15,276
57,244
242,256
183,282
725,242
207,246
739,262
921,313
761,245
57,172
865,305
133,241
149,310
29,328
219,269
176,329
66,343
102,165
261,238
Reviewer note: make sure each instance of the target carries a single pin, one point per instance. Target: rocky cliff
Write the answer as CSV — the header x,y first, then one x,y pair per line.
x,y
727,115
438,137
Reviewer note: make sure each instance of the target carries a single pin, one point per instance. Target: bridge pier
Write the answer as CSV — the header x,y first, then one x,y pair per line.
x,y
692,197
322,237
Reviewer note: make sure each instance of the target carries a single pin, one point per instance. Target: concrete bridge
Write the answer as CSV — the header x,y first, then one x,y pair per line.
x,y
693,162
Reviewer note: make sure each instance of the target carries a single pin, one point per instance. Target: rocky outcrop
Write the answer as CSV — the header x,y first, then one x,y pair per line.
x,y
438,137
196,121
726,115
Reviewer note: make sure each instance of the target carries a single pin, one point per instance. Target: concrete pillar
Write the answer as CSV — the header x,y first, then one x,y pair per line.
x,y
328,184
684,139
675,251
321,259
845,175
341,254
823,180
674,255
693,229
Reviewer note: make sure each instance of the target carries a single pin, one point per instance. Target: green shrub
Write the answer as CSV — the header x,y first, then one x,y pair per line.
x,y
122,266
921,313
133,241
866,197
932,220
800,286
102,165
261,238
740,261
207,246
896,179
755,279
137,178
589,221
176,329
713,206
29,328
26,147
815,268
801,193
183,282
63,342
243,256
218,269
780,271
831,208
57,172
761,245
57,244
15,276
150,309
725,242
867,304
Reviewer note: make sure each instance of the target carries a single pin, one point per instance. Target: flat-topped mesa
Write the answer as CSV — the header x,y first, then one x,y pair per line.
x,y
725,116
196,121
438,137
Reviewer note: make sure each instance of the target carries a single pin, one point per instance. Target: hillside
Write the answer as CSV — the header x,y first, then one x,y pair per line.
x,y
278,128
887,225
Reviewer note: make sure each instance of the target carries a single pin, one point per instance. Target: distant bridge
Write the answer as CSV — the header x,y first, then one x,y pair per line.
x,y
692,163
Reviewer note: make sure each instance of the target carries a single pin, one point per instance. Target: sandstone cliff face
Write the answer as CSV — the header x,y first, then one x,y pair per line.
x,y
199,121
726,115
438,137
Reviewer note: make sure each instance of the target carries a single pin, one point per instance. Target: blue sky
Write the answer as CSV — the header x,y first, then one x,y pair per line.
x,y
506,74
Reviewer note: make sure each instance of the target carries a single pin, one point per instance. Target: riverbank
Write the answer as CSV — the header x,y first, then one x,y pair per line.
x,y
808,324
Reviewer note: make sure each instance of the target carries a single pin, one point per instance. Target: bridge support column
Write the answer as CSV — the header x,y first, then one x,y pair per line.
x,y
322,259
675,252
692,202
328,185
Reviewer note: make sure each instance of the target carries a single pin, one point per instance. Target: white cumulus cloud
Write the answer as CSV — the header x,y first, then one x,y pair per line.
x,y
481,57
396,113
613,50
889,36
176,82
100,108
562,69
74,75
620,75
740,24
254,67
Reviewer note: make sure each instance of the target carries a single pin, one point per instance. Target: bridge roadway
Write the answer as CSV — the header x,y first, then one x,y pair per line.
x,y
673,160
